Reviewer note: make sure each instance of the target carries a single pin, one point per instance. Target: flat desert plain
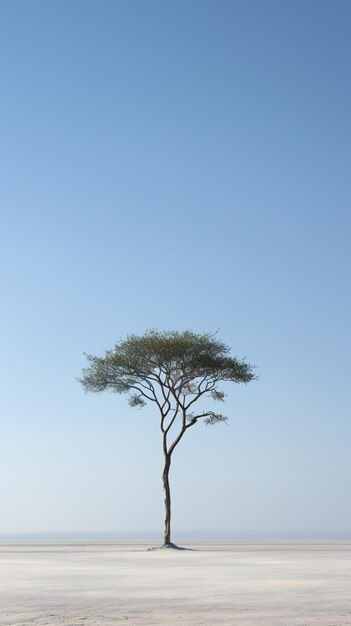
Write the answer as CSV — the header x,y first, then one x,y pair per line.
x,y
261,584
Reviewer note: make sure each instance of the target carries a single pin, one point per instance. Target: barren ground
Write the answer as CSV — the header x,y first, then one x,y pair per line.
x,y
233,583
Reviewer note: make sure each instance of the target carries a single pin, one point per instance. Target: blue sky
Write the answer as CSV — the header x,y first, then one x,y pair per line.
x,y
175,165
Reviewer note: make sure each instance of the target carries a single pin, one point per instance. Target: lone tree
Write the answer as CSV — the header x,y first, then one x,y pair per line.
x,y
173,371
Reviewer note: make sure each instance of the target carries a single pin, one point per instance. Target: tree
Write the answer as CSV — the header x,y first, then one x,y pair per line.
x,y
173,371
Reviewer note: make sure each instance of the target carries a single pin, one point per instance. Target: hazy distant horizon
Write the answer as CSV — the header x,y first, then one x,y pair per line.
x,y
181,535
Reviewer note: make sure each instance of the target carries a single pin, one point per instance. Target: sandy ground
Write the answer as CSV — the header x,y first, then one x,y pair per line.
x,y
261,584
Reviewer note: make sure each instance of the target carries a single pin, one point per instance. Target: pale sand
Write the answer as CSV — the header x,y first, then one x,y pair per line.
x,y
261,584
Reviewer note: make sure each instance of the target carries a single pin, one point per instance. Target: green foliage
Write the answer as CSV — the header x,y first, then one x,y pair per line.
x,y
137,401
217,395
173,369
214,418
209,418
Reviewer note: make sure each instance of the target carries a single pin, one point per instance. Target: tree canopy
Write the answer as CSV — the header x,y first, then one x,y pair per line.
x,y
167,366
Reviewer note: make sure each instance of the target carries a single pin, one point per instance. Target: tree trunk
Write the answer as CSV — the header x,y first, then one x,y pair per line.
x,y
167,501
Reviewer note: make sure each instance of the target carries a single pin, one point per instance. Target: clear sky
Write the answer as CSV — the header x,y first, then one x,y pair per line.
x,y
175,164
